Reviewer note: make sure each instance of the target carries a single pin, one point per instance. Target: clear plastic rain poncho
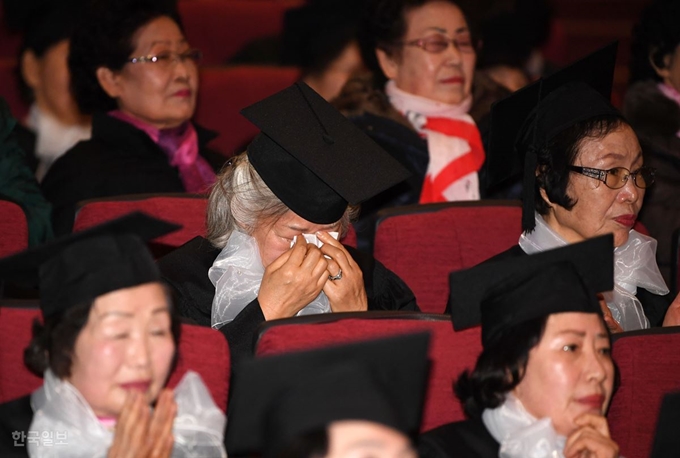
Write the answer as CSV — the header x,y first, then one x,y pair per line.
x,y
237,274
58,406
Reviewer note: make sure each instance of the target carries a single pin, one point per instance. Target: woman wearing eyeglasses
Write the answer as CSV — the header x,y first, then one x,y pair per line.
x,y
418,101
585,176
134,70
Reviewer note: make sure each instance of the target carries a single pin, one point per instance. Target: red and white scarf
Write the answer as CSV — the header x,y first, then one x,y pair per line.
x,y
453,142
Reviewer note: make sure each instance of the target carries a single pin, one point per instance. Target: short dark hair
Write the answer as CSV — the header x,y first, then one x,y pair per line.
x,y
104,39
53,342
313,444
384,24
655,36
499,368
43,31
555,157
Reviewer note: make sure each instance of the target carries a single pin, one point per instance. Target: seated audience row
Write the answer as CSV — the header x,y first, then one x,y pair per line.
x,y
103,401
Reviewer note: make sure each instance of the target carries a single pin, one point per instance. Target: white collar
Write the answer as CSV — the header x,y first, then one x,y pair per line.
x,y
520,434
634,267
237,275
58,406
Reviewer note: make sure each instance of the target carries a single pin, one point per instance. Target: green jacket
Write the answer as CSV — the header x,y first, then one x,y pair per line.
x,y
18,184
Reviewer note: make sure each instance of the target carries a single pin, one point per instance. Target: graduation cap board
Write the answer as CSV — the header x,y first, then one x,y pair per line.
x,y
79,267
279,398
523,122
313,158
504,293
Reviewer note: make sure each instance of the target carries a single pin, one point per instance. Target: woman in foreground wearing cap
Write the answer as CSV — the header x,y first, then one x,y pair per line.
x,y
106,349
585,176
545,377
363,399
301,178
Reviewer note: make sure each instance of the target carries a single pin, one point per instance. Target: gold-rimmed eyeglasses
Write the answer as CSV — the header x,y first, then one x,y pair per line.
x,y
617,177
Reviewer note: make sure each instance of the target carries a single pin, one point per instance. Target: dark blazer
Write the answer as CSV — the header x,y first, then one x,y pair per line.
x,y
463,439
15,416
118,159
186,271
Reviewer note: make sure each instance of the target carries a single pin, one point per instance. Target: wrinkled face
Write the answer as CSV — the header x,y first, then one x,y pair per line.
x,y
443,77
670,74
358,439
570,371
49,78
274,237
160,94
600,210
126,345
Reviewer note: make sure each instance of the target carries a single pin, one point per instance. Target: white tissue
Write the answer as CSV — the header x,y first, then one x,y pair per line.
x,y
312,238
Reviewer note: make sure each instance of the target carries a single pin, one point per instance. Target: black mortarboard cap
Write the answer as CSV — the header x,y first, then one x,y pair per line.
x,y
313,158
82,266
666,437
524,121
502,294
276,399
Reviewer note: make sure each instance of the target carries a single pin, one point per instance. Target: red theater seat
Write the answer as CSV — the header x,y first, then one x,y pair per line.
x,y
201,349
220,28
450,352
186,210
424,243
15,334
225,91
649,367
13,228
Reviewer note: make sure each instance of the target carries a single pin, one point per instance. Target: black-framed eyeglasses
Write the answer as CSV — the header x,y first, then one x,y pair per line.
x,y
617,177
165,59
437,44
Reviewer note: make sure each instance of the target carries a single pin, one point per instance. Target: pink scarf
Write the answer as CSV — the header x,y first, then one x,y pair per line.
x,y
453,142
671,93
180,144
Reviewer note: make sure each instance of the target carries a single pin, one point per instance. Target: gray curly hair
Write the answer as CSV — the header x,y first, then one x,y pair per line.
x,y
240,199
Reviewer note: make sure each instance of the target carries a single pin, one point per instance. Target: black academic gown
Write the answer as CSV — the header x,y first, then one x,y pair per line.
x,y
655,306
15,415
186,271
463,439
119,159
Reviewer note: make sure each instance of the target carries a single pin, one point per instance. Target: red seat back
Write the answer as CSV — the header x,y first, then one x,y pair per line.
x,y
450,352
221,28
15,334
13,228
201,349
183,209
224,92
649,366
641,228
350,237
423,244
